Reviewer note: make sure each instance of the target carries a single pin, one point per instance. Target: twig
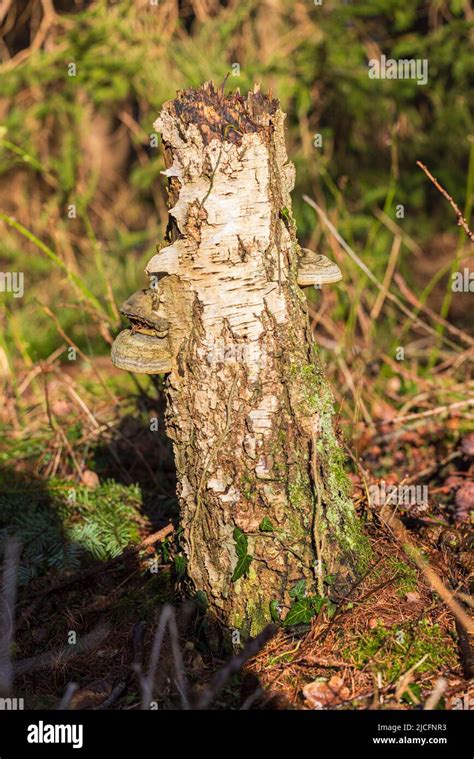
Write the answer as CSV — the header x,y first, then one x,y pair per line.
x,y
167,619
460,220
405,679
59,656
396,229
7,613
68,694
4,8
466,645
233,666
411,297
469,600
251,699
431,412
429,470
101,567
118,691
392,262
434,698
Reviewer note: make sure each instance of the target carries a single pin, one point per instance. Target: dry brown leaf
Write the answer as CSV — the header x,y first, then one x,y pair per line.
x,y
90,478
325,695
464,501
412,597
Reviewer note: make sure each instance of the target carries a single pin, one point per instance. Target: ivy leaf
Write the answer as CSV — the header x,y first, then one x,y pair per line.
x,y
241,542
298,591
242,566
243,558
179,567
303,610
299,612
266,525
275,611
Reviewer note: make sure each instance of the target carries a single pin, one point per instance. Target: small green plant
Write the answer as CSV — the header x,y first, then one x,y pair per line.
x,y
244,559
61,526
393,650
304,607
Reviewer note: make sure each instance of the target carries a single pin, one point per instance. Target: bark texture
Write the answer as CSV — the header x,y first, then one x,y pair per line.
x,y
249,410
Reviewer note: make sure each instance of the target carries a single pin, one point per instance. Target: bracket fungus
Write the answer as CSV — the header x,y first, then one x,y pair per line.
x,y
316,269
143,349
141,353
141,310
165,261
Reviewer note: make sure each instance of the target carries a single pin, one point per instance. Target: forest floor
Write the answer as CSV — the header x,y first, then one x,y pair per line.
x,y
93,477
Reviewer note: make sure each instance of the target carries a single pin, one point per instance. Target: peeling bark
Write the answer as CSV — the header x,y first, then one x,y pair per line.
x,y
249,411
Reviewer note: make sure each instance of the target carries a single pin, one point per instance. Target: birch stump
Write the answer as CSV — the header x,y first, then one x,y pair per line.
x,y
263,494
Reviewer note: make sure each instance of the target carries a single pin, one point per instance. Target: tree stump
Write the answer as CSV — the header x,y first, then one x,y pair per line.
x,y
263,494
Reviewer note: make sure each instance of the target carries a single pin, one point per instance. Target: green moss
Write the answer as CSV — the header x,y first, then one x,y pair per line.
x,y
301,499
299,492
259,615
315,393
407,577
394,650
257,611
247,485
339,514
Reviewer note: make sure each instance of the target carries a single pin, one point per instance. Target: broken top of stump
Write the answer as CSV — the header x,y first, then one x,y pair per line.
x,y
218,115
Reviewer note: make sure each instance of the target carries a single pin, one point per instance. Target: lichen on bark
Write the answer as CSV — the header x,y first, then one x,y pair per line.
x,y
249,411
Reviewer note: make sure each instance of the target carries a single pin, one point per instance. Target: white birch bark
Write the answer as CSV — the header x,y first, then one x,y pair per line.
x,y
249,411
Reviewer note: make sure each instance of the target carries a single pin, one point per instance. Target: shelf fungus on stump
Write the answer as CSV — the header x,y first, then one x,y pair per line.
x,y
264,499
143,349
316,269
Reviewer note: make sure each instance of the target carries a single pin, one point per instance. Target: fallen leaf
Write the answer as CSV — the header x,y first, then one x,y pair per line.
x,y
467,444
90,478
321,694
464,502
92,695
60,408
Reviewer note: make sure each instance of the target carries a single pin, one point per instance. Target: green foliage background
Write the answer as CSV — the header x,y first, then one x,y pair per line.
x,y
129,57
